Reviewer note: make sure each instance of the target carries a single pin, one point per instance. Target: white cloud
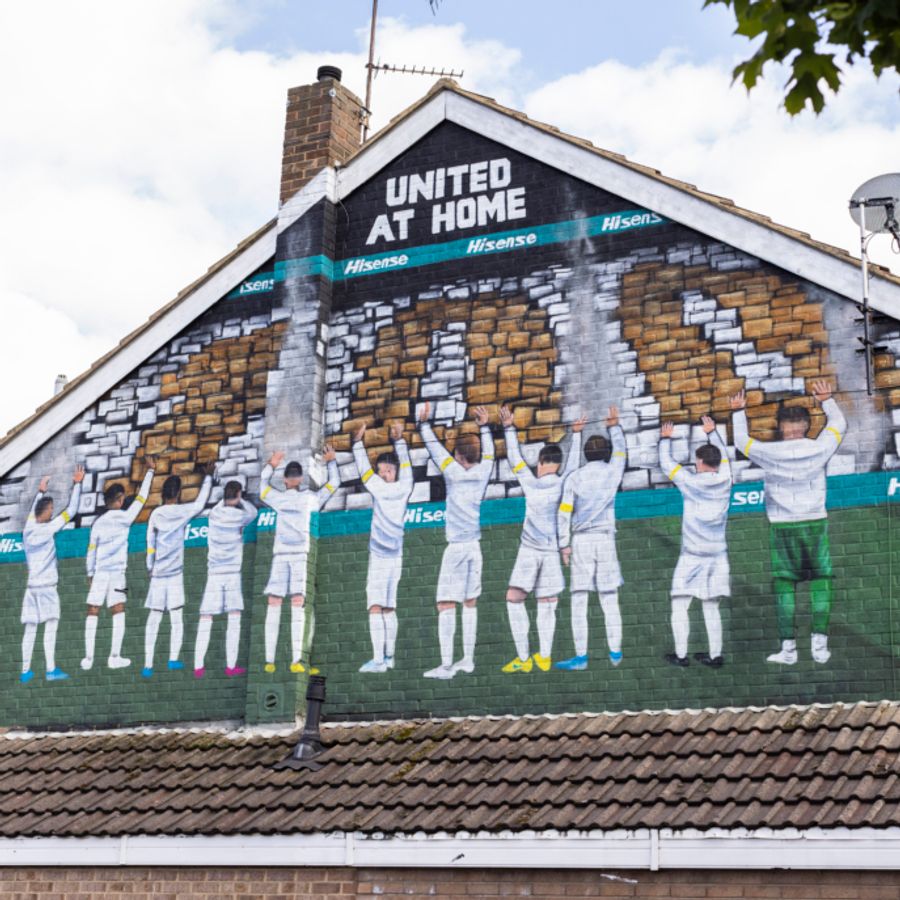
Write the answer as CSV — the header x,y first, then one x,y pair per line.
x,y
685,119
139,146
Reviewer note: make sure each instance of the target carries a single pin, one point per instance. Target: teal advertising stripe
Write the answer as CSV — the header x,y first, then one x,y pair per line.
x,y
844,491
479,245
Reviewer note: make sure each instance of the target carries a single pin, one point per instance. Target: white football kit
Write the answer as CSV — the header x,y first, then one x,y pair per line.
x,y
225,540
290,551
537,567
107,556
702,570
587,519
461,565
389,503
165,550
41,601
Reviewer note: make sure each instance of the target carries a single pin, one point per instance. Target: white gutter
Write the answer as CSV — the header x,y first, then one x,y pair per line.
x,y
644,849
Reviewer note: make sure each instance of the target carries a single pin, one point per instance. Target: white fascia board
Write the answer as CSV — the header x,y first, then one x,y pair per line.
x,y
645,849
704,216
383,150
681,206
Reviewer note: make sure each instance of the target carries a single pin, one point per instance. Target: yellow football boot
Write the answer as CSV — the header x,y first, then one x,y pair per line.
x,y
518,665
298,669
542,662
269,667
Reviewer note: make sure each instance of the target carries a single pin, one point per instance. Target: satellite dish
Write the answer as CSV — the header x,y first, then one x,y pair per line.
x,y
881,196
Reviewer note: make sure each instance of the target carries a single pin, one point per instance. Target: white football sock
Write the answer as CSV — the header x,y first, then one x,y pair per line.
x,y
609,603
150,634
204,630
519,625
469,630
273,623
50,643
580,622
176,633
28,637
298,629
546,623
390,631
446,634
232,639
713,619
376,633
118,634
681,624
90,636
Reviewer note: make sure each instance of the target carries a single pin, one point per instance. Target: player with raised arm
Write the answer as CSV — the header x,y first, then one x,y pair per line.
x,y
537,568
795,488
466,475
165,562
390,483
223,593
107,561
587,538
702,570
40,605
290,553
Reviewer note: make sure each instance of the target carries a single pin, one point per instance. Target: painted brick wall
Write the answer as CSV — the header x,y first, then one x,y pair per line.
x,y
585,303
323,884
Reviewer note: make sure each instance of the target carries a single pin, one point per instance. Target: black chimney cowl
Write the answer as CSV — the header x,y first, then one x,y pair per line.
x,y
328,72
309,746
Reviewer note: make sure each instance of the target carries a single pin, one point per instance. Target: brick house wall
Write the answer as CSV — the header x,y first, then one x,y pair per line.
x,y
324,884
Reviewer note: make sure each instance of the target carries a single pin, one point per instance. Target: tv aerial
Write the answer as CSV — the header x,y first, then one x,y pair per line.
x,y
373,68
874,207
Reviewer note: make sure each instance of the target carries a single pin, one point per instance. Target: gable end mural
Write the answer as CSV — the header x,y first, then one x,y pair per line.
x,y
482,438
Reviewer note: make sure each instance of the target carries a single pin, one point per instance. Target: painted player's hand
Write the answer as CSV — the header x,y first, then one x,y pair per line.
x,y
709,424
329,454
360,433
578,424
395,431
821,390
506,415
424,411
276,459
566,554
78,474
738,400
667,430
44,484
612,417
150,462
481,416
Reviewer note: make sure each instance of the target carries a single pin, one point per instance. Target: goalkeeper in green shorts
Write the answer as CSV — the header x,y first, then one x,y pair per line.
x,y
794,473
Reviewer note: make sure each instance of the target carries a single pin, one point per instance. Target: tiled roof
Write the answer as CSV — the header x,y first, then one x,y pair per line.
x,y
819,766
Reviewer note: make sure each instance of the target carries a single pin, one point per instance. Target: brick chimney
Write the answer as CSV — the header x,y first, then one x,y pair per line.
x,y
322,128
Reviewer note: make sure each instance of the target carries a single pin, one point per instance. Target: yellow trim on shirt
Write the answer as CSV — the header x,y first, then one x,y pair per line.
x,y
446,463
835,432
674,472
328,487
266,490
92,546
518,468
486,456
406,465
140,499
620,453
66,517
367,475
747,447
151,549
566,507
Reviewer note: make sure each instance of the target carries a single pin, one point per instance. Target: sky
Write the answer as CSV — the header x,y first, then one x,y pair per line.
x,y
140,141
